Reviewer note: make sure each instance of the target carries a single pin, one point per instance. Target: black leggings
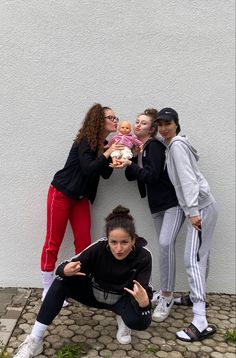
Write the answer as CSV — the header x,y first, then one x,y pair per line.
x,y
80,289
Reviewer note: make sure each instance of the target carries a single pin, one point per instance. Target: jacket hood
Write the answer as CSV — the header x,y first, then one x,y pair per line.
x,y
184,139
153,139
140,241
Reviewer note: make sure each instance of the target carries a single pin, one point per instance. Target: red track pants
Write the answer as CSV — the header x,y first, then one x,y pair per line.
x,y
60,209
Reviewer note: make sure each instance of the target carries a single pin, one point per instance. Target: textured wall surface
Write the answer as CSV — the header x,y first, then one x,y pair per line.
x,y
60,57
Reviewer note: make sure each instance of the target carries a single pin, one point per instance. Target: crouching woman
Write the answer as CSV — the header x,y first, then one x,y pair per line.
x,y
113,273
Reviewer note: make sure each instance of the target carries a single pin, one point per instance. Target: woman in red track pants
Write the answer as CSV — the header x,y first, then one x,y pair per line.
x,y
75,185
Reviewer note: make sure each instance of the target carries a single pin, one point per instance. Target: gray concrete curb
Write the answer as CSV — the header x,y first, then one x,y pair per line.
x,y
12,303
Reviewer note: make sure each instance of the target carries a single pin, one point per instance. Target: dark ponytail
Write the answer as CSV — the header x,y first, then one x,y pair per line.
x,y
178,129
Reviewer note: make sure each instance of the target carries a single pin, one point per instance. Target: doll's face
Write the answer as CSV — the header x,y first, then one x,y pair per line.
x,y
124,127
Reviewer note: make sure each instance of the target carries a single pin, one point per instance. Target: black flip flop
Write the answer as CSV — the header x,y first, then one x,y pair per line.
x,y
186,301
195,335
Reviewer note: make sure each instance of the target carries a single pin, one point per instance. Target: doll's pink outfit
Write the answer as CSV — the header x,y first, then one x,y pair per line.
x,y
129,141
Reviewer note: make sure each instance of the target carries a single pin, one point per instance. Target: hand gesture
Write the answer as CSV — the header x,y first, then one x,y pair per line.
x,y
73,269
196,222
139,293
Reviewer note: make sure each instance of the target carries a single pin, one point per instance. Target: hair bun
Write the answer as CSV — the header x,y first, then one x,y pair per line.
x,y
119,211
151,112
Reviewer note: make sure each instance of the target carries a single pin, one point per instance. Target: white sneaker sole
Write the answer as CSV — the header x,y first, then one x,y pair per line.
x,y
39,351
159,319
162,317
123,340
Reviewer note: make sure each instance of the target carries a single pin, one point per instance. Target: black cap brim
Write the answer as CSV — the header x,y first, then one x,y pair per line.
x,y
166,117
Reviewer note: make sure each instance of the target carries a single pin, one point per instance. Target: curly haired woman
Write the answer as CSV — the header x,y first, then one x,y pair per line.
x,y
75,185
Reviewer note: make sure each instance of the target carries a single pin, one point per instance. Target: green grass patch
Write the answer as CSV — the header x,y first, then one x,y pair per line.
x,y
230,335
151,349
70,351
3,354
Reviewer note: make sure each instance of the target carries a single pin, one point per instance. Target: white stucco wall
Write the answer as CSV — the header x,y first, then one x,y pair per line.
x,y
60,57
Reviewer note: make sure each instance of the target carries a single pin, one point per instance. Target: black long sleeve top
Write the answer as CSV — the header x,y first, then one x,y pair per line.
x,y
80,176
153,177
111,274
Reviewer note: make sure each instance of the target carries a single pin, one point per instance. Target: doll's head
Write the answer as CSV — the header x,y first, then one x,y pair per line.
x,y
124,127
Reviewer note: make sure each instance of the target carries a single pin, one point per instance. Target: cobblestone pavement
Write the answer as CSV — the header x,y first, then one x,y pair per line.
x,y
96,329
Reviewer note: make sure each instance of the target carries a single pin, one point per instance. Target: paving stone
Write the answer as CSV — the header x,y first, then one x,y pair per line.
x,y
174,354
162,354
189,355
216,355
91,334
140,347
134,354
166,348
143,334
78,339
106,353
206,349
6,328
78,324
193,348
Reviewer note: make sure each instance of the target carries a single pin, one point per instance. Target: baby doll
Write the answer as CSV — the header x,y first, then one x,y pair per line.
x,y
124,137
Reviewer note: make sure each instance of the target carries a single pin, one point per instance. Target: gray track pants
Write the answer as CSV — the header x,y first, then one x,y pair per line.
x,y
168,224
196,257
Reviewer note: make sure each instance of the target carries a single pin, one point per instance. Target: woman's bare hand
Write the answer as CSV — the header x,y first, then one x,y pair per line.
x,y
121,163
139,293
73,269
137,149
112,148
196,222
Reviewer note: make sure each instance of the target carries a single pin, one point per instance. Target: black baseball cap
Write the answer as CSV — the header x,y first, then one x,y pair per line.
x,y
168,114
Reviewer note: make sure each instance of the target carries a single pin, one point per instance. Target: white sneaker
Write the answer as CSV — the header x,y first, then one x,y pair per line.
x,y
29,348
123,335
65,303
155,298
162,310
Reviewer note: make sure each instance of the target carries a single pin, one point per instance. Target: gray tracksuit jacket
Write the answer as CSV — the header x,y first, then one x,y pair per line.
x,y
191,187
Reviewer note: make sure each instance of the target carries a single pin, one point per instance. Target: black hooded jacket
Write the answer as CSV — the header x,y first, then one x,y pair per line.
x,y
153,177
98,262
81,173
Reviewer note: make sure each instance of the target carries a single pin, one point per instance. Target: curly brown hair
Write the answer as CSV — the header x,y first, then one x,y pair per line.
x,y
93,127
152,114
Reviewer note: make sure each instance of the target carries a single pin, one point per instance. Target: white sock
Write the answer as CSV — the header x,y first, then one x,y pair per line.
x,y
167,296
38,331
182,334
199,319
178,299
47,278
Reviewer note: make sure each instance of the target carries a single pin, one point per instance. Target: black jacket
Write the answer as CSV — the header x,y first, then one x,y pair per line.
x,y
153,177
81,173
111,274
